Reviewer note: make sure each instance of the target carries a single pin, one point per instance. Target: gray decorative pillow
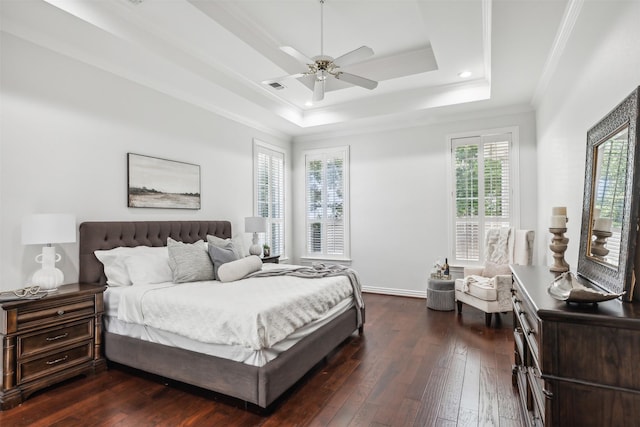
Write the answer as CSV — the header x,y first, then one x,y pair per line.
x,y
189,262
221,256
224,243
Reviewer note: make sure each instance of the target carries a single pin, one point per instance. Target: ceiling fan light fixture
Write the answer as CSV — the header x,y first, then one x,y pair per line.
x,y
322,67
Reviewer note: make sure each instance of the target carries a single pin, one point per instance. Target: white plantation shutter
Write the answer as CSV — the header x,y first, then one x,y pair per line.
x,y
269,191
326,185
610,187
482,191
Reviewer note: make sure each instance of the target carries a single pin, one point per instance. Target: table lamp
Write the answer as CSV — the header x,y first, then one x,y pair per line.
x,y
255,225
48,229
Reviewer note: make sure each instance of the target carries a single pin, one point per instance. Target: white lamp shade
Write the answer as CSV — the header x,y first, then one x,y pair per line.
x,y
48,228
255,224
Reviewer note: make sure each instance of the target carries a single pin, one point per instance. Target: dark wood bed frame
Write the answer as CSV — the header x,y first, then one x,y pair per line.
x,y
260,386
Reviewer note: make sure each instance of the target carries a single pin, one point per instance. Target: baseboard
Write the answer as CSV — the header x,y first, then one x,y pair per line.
x,y
395,292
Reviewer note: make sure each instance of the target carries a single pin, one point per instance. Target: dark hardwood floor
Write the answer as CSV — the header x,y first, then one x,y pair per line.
x,y
412,367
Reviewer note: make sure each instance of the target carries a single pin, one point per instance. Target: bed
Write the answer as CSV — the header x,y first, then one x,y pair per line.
x,y
257,383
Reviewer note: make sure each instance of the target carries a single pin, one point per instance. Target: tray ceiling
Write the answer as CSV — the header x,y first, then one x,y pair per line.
x,y
217,54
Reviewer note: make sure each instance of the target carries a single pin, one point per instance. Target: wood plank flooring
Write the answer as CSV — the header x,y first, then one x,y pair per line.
x,y
412,367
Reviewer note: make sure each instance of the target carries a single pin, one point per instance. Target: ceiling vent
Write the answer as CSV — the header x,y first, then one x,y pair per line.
x,y
276,85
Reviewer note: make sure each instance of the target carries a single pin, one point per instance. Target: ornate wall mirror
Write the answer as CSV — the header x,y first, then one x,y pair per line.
x,y
610,208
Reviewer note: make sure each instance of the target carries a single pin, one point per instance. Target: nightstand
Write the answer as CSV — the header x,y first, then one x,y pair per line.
x,y
273,259
48,340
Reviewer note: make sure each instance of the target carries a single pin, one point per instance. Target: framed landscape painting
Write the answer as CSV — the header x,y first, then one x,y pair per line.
x,y
161,183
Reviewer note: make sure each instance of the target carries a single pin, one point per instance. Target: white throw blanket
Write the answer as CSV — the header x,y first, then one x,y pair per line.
x,y
479,280
255,313
317,271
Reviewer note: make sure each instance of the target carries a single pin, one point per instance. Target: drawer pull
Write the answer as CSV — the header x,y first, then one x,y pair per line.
x,y
66,334
53,362
60,312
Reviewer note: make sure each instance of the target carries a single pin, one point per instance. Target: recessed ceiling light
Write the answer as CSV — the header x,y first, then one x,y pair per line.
x,y
464,74
309,103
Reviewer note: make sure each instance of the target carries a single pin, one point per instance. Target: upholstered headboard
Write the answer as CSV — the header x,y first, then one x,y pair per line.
x,y
108,235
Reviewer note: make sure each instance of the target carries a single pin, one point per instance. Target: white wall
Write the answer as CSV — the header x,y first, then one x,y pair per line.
x,y
598,69
66,129
399,203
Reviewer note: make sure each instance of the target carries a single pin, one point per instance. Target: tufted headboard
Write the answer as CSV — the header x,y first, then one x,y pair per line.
x,y
108,235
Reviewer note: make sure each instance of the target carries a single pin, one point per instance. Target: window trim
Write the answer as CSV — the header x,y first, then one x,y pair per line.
x,y
514,158
346,256
257,145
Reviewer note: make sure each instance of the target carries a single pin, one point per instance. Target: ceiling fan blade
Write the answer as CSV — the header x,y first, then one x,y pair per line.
x,y
318,90
279,79
361,53
357,80
297,55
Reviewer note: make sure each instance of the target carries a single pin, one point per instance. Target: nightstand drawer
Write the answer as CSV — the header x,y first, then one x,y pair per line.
x,y
56,312
50,339
42,366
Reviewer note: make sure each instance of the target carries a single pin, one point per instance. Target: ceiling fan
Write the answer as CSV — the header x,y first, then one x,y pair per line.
x,y
323,67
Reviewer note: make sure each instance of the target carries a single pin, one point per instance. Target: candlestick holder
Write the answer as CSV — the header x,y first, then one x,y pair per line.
x,y
598,248
558,246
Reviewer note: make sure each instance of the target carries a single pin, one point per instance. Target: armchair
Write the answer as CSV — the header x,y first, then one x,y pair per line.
x,y
488,287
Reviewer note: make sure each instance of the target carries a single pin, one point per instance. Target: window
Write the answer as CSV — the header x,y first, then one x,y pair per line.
x,y
327,203
482,167
610,187
269,190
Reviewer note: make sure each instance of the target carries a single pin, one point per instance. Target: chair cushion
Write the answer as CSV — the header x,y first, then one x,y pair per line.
x,y
481,290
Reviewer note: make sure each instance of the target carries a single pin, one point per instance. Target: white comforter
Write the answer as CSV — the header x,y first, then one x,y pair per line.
x,y
254,313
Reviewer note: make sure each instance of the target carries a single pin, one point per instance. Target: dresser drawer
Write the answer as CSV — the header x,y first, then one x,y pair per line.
x,y
528,321
53,338
34,368
536,385
54,312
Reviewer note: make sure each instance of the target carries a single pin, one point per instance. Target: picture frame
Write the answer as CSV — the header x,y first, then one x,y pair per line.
x,y
618,275
153,182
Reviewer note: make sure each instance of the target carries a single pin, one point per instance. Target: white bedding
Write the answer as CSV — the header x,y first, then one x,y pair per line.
x,y
253,313
231,352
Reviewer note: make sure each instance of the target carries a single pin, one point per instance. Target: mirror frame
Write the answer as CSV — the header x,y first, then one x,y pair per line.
x,y
607,276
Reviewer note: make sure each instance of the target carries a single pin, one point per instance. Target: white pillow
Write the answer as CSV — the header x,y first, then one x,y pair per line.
x,y
238,243
113,261
148,268
114,268
238,269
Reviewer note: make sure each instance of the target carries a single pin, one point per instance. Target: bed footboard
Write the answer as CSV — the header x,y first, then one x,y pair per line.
x,y
257,385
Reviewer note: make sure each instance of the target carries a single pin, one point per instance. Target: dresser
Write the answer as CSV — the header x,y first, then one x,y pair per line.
x,y
48,340
574,364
